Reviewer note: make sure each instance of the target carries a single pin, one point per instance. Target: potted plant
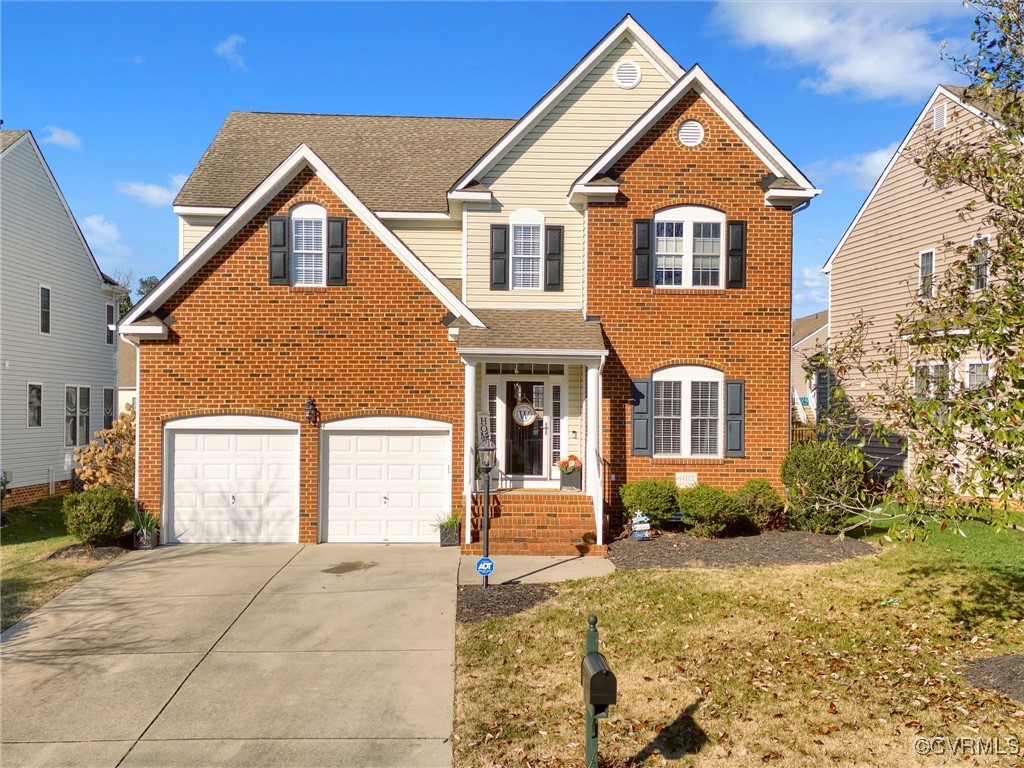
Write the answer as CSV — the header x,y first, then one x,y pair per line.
x,y
147,534
571,469
448,528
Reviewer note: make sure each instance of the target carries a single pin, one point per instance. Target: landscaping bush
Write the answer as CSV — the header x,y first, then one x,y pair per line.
x,y
761,505
710,512
655,498
822,480
97,516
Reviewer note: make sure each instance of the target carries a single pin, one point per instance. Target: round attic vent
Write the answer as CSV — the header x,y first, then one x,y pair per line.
x,y
691,133
628,74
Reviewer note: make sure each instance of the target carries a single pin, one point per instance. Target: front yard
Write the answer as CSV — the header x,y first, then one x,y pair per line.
x,y
842,664
29,577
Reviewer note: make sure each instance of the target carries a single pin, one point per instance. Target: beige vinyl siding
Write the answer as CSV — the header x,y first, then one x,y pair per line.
x,y
875,274
39,245
194,229
576,375
539,171
437,243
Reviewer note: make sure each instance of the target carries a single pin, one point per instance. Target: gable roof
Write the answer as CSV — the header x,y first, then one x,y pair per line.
x,y
229,226
390,163
954,93
7,138
628,28
794,185
808,326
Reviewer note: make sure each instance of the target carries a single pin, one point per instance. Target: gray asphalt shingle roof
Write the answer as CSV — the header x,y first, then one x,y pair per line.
x,y
553,329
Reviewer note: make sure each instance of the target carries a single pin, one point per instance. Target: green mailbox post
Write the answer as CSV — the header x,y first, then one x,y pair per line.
x,y
599,689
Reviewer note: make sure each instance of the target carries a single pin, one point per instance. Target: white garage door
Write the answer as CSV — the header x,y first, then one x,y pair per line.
x,y
233,485
387,485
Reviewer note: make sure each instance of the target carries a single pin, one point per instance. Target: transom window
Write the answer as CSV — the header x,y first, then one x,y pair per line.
x,y
688,247
688,411
309,254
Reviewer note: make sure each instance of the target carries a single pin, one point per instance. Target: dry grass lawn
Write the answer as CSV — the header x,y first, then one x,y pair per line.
x,y
786,666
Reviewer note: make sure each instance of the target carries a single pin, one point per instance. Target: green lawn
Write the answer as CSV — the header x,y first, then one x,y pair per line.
x,y
841,665
28,579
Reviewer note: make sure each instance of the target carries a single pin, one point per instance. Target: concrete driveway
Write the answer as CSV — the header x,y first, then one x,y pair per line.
x,y
257,655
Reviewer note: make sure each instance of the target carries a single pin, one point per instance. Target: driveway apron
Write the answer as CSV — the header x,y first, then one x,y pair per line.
x,y
255,655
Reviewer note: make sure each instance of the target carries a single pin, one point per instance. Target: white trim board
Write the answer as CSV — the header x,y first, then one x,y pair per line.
x,y
241,214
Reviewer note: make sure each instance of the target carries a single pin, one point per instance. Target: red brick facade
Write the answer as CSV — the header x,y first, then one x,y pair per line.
x,y
377,346
27,494
742,332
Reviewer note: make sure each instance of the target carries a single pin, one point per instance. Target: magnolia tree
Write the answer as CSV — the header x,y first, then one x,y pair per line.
x,y
965,433
109,459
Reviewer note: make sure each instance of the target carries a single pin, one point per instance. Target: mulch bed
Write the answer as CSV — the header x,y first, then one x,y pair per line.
x,y
80,551
1000,673
676,550
475,603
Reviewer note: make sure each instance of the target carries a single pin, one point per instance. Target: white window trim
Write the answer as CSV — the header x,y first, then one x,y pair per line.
x,y
965,370
307,212
528,217
687,375
988,261
28,414
688,215
930,365
110,335
920,275
39,307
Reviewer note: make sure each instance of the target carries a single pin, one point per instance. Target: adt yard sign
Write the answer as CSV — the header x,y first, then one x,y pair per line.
x,y
485,566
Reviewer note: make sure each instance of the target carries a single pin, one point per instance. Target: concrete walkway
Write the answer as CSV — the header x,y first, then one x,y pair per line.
x,y
257,655
534,569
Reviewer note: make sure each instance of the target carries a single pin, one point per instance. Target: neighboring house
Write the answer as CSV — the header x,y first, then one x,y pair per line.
x,y
360,297
58,376
895,251
127,363
810,337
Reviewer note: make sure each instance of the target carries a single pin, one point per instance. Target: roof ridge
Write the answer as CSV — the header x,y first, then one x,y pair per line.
x,y
351,114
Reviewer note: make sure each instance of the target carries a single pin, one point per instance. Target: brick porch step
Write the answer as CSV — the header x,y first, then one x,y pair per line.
x,y
536,523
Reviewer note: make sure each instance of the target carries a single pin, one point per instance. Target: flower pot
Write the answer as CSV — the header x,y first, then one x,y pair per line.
x,y
571,481
449,537
147,539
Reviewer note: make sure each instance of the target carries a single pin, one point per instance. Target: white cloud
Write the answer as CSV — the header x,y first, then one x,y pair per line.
x,y
810,292
863,170
104,237
153,195
872,50
228,49
61,138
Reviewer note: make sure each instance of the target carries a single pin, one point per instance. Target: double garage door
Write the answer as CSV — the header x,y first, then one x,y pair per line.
x,y
235,479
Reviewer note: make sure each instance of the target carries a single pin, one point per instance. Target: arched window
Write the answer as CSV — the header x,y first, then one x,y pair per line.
x,y
688,247
688,411
308,244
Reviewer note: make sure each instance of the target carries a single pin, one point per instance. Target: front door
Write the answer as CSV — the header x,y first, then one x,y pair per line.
x,y
524,450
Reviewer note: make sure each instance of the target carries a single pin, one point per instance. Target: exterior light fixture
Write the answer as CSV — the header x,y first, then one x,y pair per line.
x,y
312,414
486,450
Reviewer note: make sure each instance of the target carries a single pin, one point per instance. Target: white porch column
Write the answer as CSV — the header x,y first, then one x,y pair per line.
x,y
595,485
468,448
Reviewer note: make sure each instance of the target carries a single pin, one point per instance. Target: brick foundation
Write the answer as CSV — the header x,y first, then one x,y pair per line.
x,y
28,494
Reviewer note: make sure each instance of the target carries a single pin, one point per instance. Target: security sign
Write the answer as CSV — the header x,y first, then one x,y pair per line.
x,y
485,566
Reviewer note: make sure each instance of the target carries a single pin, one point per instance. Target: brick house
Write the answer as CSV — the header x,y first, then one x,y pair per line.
x,y
358,297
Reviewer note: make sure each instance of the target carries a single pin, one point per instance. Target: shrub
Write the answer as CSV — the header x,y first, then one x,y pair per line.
x,y
655,498
822,479
97,516
761,505
709,512
109,459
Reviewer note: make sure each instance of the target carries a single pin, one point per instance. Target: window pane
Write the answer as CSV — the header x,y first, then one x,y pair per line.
x,y
668,253
668,409
35,405
704,418
556,423
44,310
110,322
707,253
308,251
108,408
927,267
84,396
977,375
526,256
980,266
70,416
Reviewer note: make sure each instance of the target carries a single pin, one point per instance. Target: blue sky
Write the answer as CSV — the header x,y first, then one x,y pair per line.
x,y
125,97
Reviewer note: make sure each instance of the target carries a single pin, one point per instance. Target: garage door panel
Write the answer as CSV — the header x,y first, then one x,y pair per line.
x,y
387,485
216,443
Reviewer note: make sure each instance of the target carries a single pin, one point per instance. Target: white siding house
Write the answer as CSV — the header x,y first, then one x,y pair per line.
x,y
58,358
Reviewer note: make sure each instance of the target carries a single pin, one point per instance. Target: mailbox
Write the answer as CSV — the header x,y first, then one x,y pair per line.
x,y
598,681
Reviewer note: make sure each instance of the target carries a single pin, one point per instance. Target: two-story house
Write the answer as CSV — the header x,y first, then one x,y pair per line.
x,y
58,358
360,297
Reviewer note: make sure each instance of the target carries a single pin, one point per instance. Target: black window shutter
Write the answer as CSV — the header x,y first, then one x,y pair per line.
x,y
278,239
642,422
736,256
735,407
499,257
553,259
337,251
643,264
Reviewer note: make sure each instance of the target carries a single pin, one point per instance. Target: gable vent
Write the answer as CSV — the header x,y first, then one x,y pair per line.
x,y
628,74
939,117
691,133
